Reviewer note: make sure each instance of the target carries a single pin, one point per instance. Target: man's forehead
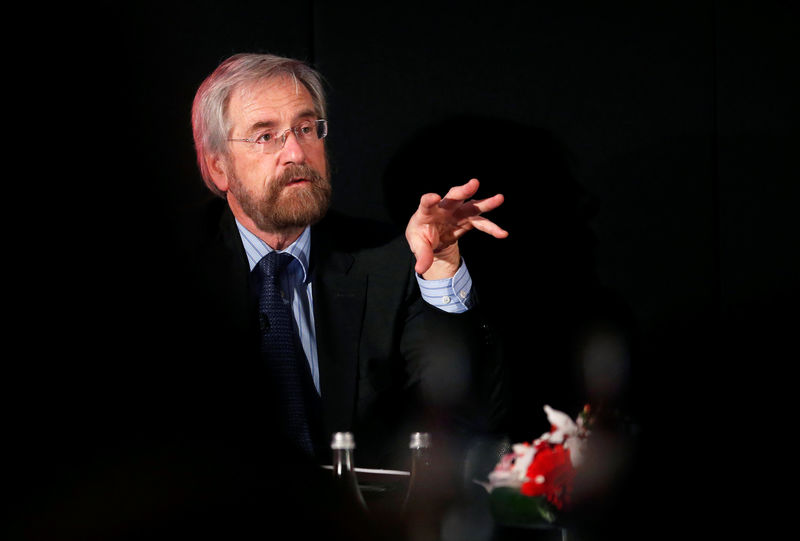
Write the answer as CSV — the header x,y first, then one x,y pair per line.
x,y
276,96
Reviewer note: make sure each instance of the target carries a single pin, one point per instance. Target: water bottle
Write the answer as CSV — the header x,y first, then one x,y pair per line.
x,y
421,473
422,506
344,474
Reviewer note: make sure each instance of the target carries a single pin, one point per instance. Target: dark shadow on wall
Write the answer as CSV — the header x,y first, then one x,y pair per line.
x,y
566,340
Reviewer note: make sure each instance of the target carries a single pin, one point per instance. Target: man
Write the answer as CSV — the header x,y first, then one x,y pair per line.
x,y
388,332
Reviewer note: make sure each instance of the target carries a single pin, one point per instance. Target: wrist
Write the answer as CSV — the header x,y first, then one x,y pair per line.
x,y
442,268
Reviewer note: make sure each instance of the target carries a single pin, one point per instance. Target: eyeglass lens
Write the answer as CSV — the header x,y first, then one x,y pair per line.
x,y
305,133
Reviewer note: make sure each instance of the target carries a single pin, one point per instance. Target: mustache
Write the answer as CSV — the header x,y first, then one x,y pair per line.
x,y
295,172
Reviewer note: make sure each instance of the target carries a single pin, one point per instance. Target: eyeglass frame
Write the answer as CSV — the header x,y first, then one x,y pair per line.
x,y
283,136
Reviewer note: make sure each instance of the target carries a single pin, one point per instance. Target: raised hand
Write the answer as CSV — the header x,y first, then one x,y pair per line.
x,y
434,229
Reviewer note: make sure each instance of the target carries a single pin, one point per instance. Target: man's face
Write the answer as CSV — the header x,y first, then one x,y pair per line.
x,y
289,188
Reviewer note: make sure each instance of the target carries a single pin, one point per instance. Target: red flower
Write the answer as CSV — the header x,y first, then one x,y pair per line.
x,y
550,474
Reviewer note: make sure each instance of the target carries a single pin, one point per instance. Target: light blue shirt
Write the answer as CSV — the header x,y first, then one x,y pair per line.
x,y
449,294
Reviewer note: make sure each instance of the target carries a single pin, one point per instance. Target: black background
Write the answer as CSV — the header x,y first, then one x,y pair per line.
x,y
646,151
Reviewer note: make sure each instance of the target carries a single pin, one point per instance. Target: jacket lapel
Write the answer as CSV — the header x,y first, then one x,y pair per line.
x,y
339,297
233,263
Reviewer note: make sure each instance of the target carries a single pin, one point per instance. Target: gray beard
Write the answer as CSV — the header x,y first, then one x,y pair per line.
x,y
275,210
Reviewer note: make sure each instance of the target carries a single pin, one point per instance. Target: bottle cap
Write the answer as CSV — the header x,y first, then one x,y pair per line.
x,y
419,440
343,440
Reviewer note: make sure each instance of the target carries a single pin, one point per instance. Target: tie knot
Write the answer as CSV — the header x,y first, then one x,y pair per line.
x,y
274,263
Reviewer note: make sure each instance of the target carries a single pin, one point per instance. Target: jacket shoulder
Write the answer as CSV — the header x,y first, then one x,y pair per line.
x,y
355,234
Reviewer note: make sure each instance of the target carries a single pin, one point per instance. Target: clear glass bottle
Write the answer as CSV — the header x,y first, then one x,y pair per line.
x,y
421,474
422,506
342,446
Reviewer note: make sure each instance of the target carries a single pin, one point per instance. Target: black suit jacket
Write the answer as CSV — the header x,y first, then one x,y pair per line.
x,y
389,363
162,403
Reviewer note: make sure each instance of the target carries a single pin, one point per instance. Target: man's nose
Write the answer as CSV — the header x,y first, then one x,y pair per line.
x,y
292,151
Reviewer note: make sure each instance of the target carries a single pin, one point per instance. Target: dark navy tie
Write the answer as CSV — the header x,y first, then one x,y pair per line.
x,y
279,347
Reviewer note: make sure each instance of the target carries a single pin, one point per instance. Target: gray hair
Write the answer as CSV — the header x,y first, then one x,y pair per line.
x,y
210,122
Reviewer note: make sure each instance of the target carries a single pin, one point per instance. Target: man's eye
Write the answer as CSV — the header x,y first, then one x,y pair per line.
x,y
305,129
265,137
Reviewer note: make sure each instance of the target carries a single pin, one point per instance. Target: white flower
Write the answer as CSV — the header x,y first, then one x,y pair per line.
x,y
565,430
563,426
512,469
577,450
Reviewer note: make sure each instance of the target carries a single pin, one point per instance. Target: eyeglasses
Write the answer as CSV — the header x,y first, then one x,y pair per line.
x,y
306,132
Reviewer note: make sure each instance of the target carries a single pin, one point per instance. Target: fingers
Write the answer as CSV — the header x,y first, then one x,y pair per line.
x,y
451,217
454,197
489,227
478,206
458,194
429,201
490,203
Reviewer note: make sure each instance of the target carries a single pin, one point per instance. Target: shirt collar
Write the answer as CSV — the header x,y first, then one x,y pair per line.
x,y
255,248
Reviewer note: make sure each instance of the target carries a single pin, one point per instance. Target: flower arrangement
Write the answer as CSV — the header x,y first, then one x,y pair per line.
x,y
535,480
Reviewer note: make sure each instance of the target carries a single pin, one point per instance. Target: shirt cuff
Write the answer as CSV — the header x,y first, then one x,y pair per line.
x,y
449,294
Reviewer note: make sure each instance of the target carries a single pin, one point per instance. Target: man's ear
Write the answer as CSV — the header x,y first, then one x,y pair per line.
x,y
217,167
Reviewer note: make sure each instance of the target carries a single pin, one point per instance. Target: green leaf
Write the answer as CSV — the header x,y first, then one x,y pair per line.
x,y
512,508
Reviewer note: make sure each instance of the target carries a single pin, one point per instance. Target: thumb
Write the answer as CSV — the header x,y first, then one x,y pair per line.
x,y
424,255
